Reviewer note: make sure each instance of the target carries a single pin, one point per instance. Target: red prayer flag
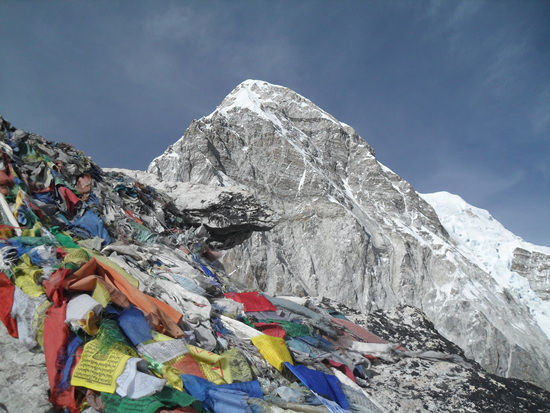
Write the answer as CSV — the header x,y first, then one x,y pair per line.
x,y
252,301
6,302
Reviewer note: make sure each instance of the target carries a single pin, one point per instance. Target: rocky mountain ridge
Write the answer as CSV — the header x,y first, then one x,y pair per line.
x,y
350,228
99,261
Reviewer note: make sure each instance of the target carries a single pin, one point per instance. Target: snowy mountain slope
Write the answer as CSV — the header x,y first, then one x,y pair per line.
x,y
495,249
350,228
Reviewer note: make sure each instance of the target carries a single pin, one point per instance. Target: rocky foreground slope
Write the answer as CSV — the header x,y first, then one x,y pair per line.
x,y
350,228
113,298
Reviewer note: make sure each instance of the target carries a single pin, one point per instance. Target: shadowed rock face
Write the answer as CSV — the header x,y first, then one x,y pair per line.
x,y
229,214
350,228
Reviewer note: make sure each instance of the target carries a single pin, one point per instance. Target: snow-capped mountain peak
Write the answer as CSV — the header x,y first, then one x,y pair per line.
x,y
493,248
244,96
264,99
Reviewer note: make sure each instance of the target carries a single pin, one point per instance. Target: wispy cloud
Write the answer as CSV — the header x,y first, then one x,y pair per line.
x,y
181,37
505,66
540,117
451,14
182,23
474,182
463,11
492,53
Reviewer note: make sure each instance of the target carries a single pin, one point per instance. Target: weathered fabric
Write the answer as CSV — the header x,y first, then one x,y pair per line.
x,y
136,381
189,284
241,330
92,224
271,329
273,349
56,337
72,202
6,302
316,319
133,323
228,307
80,306
341,367
23,310
167,397
381,350
224,398
163,351
72,348
326,385
358,331
194,307
160,314
252,301
76,256
293,329
355,394
332,406
433,356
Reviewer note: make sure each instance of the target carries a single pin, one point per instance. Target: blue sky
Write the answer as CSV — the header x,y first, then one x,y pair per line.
x,y
452,95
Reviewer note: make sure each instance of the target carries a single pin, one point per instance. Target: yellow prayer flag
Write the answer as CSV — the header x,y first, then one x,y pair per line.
x,y
101,295
76,256
38,321
205,356
273,349
90,324
157,337
29,287
217,372
98,371
172,377
237,366
19,201
212,365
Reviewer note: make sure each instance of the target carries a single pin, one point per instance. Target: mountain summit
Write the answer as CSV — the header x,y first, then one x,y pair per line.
x,y
350,228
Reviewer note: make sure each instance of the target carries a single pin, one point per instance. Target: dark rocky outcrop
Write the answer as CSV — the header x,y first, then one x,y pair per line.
x,y
228,214
423,386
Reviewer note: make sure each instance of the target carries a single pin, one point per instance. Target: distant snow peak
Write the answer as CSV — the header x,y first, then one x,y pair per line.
x,y
493,248
474,226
